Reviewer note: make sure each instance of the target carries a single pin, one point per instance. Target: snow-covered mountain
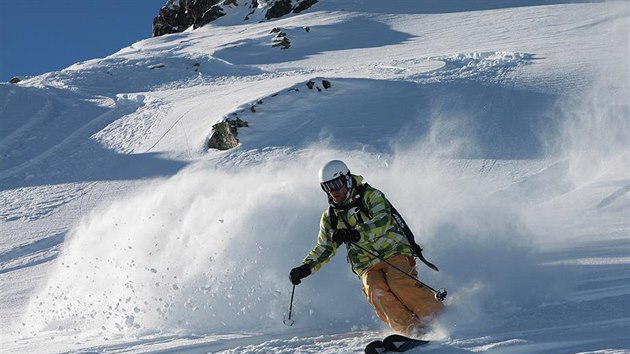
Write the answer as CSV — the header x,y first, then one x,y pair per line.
x,y
499,129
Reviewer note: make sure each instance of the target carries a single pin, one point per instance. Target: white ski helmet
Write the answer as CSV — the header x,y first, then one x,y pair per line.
x,y
334,175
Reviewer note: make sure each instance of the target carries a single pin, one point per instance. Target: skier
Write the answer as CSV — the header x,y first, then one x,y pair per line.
x,y
361,217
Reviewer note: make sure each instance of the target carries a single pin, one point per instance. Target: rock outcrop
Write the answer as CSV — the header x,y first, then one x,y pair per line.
x,y
178,15
224,134
280,40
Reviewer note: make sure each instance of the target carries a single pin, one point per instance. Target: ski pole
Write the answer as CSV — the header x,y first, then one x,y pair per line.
x,y
288,321
440,294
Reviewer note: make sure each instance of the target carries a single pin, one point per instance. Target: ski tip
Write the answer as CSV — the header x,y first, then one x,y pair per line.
x,y
400,343
375,347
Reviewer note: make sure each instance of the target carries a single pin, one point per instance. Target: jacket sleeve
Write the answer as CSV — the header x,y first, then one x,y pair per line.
x,y
325,248
381,219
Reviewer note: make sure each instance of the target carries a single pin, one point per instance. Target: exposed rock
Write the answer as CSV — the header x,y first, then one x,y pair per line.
x,y
303,5
325,83
178,15
223,137
278,9
157,66
172,18
224,134
282,42
212,14
283,7
15,80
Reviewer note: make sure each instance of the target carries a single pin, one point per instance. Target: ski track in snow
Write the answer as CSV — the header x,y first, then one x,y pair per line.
x,y
140,231
31,203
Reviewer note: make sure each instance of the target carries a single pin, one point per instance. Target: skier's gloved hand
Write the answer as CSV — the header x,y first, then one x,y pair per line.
x,y
299,273
345,235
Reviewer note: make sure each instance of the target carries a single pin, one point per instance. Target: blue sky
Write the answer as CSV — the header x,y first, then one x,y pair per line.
x,y
38,36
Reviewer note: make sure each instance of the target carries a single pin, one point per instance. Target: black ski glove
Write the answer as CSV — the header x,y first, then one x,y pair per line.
x,y
345,235
299,273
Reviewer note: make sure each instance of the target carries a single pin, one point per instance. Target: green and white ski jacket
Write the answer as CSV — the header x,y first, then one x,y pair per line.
x,y
379,233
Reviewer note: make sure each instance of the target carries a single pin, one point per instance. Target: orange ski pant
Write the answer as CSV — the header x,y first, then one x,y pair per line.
x,y
397,299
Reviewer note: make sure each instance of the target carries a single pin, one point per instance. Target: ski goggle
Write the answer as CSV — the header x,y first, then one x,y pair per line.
x,y
334,184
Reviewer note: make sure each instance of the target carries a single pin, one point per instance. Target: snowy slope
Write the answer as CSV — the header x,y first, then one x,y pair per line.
x,y
499,129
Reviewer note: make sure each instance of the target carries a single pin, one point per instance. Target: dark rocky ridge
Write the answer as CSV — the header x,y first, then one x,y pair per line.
x,y
224,134
178,15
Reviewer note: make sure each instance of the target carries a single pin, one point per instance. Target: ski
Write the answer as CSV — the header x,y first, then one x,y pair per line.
x,y
398,343
393,343
375,347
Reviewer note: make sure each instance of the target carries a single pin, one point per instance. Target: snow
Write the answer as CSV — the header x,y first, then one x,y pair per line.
x,y
499,130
